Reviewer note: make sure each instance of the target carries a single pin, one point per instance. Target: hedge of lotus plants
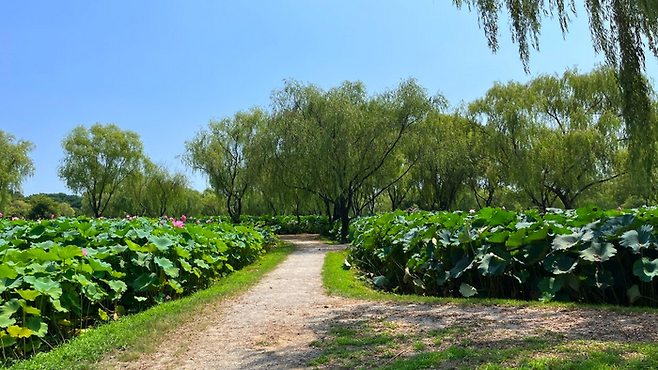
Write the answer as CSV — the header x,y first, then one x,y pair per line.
x,y
60,276
585,255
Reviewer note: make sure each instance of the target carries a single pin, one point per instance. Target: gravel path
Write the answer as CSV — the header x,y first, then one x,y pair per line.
x,y
269,327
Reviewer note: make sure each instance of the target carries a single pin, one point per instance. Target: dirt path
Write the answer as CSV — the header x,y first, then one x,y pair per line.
x,y
269,327
272,325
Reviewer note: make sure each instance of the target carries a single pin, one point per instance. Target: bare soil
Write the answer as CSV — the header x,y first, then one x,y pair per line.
x,y
273,325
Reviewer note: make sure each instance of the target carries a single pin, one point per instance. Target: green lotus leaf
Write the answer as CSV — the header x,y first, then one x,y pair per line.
x,y
201,263
560,264
381,281
161,242
467,290
36,231
118,286
98,265
144,282
178,288
70,251
532,253
186,265
6,311
182,252
498,237
637,239
564,242
7,272
8,284
494,262
633,294
167,266
604,279
45,285
598,252
549,286
6,340
37,325
520,276
28,294
461,266
29,309
515,239
645,269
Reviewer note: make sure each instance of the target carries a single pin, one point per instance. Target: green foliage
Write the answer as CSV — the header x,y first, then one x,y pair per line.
x,y
60,276
292,224
585,255
226,154
620,29
15,165
333,143
97,160
553,138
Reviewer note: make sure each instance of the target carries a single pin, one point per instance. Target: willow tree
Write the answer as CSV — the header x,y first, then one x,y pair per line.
x,y
97,160
620,29
332,143
225,154
556,136
15,164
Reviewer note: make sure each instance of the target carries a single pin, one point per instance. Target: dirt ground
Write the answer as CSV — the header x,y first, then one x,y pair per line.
x,y
272,325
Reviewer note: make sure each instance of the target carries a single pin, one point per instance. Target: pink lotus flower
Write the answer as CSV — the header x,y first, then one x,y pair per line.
x,y
471,211
198,221
618,209
84,252
208,221
504,208
52,216
14,218
182,217
178,224
0,214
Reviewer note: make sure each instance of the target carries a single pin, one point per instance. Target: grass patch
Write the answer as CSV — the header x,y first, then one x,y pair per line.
x,y
464,345
140,333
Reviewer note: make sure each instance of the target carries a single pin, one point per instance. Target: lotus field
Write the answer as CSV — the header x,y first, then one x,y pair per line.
x,y
60,276
585,255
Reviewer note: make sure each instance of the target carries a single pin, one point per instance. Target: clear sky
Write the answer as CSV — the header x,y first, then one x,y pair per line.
x,y
163,68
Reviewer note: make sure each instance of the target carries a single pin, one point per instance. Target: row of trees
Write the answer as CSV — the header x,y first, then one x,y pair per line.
x,y
556,141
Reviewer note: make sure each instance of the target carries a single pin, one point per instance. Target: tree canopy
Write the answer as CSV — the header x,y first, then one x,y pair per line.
x,y
97,160
620,29
15,164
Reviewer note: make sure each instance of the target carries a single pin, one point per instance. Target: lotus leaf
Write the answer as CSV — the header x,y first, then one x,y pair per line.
x,y
645,269
6,340
29,309
598,252
381,281
167,266
7,272
6,311
28,294
467,290
161,242
19,332
560,263
638,239
633,293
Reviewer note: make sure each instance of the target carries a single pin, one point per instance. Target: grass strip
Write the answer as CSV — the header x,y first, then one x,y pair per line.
x,y
141,332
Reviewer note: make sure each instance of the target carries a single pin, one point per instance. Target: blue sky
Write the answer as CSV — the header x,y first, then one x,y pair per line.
x,y
164,68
